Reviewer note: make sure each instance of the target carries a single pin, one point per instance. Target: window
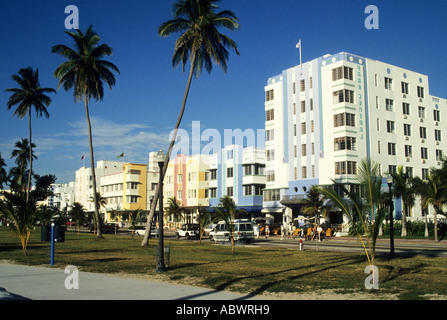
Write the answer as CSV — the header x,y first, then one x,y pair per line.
x,y
179,178
270,135
345,143
270,155
213,192
230,191
437,135
407,129
342,73
303,150
420,92
311,104
425,172
424,153
270,175
436,115
388,83
230,154
390,126
379,147
391,149
438,155
270,115
345,167
302,85
213,173
389,104
344,119
408,151
229,172
303,127
272,195
405,108
343,96
421,112
409,172
269,95
304,172
392,169
423,132
404,86
303,106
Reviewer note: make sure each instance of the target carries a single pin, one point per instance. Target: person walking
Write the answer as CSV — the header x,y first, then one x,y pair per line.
x,y
282,231
267,231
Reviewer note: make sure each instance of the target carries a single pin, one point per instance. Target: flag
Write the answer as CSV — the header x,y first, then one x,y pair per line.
x,y
82,158
298,45
121,155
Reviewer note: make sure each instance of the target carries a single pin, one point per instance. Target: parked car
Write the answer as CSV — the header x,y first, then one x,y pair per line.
x,y
243,231
141,232
188,230
105,227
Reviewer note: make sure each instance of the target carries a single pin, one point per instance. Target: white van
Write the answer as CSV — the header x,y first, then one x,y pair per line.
x,y
243,231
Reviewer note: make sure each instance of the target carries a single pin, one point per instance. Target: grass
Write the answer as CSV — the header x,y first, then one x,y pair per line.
x,y
251,270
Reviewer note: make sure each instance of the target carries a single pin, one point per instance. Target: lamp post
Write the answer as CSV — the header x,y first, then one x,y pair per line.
x,y
390,183
161,261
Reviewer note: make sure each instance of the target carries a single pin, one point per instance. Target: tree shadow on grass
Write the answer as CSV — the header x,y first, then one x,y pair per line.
x,y
321,267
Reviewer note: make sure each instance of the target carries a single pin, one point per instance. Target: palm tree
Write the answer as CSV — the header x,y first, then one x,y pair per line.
x,y
29,95
402,188
227,212
313,204
22,153
77,214
201,43
175,210
3,174
432,191
84,72
365,210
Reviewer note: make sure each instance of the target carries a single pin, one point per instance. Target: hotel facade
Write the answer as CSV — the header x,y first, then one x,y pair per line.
x,y
326,115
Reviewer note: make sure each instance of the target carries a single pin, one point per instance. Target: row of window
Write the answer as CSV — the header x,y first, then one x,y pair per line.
x,y
405,87
391,128
247,190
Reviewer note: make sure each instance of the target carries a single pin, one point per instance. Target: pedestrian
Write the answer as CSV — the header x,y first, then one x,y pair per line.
x,y
282,231
256,230
267,230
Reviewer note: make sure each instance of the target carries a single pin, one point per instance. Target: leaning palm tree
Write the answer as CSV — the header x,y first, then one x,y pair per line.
x,y
84,72
29,94
201,43
402,188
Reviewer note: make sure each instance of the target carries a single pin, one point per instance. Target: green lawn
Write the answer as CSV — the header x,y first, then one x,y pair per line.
x,y
252,270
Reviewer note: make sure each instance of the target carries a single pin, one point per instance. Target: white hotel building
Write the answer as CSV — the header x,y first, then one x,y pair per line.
x,y
326,115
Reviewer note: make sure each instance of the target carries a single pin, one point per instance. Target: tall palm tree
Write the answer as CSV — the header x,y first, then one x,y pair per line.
x,y
402,188
84,72
201,43
29,94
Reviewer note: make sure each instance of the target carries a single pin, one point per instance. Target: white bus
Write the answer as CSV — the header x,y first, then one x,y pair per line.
x,y
243,231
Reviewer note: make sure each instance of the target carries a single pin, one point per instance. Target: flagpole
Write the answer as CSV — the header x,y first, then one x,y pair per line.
x,y
299,46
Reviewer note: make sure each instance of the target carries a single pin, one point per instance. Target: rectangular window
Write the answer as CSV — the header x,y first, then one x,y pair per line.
x,y
421,112
391,149
437,135
345,167
406,108
423,132
342,73
425,172
407,129
269,95
343,96
420,92
344,119
229,172
345,143
388,83
390,126
303,127
270,115
404,86
389,103
303,150
304,172
270,154
436,115
302,85
408,151
438,155
303,106
270,175
270,135
424,153
230,191
392,169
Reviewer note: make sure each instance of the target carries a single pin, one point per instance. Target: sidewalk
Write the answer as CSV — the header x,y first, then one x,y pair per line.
x,y
40,283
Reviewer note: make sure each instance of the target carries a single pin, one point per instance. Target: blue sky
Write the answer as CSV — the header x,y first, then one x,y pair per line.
x,y
137,116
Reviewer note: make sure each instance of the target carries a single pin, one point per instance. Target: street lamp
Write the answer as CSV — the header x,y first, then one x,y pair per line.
x,y
161,261
390,183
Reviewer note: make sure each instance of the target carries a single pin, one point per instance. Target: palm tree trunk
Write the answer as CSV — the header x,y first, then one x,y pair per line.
x,y
30,157
435,221
145,241
92,164
404,221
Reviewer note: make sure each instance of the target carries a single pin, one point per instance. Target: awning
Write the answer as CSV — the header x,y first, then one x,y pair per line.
x,y
272,210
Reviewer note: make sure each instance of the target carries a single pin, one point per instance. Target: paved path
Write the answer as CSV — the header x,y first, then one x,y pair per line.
x,y
41,283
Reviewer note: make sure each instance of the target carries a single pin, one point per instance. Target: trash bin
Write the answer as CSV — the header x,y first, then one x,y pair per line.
x,y
166,255
59,234
45,233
